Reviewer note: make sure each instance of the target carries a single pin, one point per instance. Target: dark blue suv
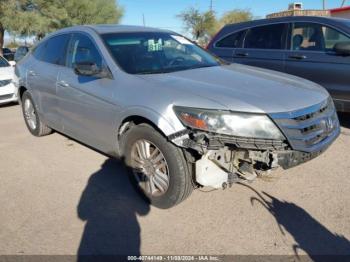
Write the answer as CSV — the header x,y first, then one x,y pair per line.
x,y
315,48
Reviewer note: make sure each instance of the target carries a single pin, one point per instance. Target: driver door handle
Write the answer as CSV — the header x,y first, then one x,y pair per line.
x,y
31,73
242,54
298,57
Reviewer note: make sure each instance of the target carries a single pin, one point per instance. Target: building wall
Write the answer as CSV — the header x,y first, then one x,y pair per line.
x,y
300,13
342,14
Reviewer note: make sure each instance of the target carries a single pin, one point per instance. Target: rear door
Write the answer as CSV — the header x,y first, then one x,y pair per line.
x,y
312,57
264,46
42,76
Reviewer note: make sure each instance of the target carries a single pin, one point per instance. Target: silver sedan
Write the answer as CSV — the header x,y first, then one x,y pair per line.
x,y
179,117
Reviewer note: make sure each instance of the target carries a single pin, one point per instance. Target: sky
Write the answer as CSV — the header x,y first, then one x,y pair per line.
x,y
162,13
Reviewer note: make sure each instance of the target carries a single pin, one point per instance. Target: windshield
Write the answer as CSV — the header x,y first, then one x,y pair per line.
x,y
151,53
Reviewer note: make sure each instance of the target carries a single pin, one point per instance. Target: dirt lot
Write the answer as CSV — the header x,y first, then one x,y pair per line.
x,y
59,197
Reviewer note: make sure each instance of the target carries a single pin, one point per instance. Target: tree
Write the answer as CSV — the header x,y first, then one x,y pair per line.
x,y
200,24
39,17
236,16
6,16
204,25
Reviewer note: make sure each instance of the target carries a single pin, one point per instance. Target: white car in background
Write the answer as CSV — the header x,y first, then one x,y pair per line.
x,y
8,89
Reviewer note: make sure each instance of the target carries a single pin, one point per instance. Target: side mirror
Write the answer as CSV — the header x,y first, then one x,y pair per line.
x,y
12,63
91,69
86,69
342,48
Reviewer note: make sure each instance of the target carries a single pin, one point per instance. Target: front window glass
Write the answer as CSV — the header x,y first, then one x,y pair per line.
x,y
266,37
82,49
315,37
3,62
150,53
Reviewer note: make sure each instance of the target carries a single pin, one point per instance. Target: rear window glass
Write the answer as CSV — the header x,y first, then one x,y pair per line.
x,y
55,50
39,50
231,41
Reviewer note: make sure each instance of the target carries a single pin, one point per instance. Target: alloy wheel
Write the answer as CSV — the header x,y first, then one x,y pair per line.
x,y
29,114
150,168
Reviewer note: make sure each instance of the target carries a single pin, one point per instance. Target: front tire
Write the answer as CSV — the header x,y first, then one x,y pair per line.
x,y
158,168
31,117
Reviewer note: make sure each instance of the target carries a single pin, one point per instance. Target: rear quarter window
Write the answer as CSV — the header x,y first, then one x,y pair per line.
x,y
231,41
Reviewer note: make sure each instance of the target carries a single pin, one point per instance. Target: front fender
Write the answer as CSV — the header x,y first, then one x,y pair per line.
x,y
166,121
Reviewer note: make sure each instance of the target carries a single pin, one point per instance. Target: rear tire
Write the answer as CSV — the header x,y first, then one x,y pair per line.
x,y
31,117
168,160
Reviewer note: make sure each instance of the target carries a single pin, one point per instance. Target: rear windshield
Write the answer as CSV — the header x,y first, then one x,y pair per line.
x,y
3,62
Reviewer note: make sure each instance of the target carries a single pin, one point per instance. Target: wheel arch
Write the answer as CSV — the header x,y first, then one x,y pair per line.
x,y
131,120
21,91
166,126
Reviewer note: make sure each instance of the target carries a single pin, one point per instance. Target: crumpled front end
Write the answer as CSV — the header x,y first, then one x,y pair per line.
x,y
220,160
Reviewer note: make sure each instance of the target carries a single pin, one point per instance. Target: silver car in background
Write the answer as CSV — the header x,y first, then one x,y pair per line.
x,y
8,88
179,117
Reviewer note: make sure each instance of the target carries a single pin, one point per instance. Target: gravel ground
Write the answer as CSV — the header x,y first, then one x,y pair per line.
x,y
60,197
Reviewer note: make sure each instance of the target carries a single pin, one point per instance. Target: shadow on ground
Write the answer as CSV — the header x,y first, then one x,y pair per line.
x,y
12,104
109,205
309,234
344,119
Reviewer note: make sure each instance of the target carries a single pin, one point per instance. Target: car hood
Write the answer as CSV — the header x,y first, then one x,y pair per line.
x,y
243,88
6,73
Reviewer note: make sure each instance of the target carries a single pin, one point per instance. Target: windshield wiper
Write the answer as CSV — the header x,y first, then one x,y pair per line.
x,y
201,66
173,69
152,72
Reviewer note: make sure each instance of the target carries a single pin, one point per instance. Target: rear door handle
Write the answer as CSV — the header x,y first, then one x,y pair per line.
x,y
243,54
31,73
63,83
298,57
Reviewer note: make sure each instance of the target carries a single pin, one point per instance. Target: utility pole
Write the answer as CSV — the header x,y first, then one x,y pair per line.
x,y
143,19
343,3
211,5
324,4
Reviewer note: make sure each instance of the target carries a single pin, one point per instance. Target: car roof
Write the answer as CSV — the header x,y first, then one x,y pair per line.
x,y
288,19
113,28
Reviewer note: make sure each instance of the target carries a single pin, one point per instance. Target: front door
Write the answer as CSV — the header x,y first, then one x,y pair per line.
x,y
86,102
312,57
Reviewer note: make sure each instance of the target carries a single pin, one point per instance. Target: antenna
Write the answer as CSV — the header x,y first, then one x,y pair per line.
x,y
343,3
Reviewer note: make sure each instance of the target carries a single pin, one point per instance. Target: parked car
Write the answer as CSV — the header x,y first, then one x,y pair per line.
x,y
21,52
315,48
8,89
179,117
8,54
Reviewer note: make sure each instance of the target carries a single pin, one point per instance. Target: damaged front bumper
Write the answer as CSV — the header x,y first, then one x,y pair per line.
x,y
221,160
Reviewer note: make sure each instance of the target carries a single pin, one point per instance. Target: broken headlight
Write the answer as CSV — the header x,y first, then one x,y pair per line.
x,y
229,123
